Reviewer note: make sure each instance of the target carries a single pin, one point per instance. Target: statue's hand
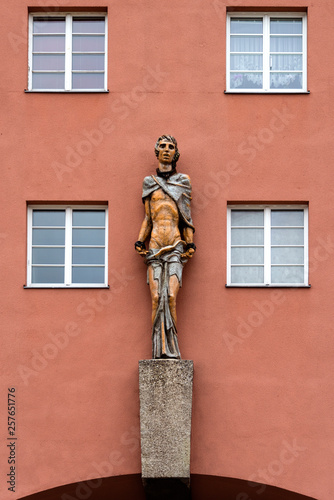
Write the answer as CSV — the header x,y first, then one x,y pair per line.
x,y
188,254
140,248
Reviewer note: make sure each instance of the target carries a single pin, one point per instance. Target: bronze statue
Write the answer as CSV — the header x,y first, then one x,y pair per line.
x,y
170,230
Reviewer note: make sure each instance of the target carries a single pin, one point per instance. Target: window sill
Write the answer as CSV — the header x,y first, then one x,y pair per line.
x,y
66,91
267,286
63,287
264,92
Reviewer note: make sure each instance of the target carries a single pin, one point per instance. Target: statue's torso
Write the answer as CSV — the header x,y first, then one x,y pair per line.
x,y
165,220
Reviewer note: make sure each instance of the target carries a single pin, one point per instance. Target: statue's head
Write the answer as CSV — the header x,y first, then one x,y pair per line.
x,y
167,139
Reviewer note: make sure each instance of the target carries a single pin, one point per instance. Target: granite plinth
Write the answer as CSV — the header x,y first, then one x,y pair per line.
x,y
165,389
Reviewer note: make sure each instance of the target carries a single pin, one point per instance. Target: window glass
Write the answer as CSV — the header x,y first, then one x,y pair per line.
x,y
67,246
88,25
88,275
266,52
268,246
67,53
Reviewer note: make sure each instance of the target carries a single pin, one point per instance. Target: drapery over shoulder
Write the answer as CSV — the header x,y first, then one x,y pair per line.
x,y
178,187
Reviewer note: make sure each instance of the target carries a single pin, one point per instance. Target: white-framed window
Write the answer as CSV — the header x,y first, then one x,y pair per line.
x,y
67,52
267,245
266,52
67,246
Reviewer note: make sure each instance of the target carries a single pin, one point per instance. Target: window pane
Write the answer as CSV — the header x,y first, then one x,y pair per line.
x,y
48,62
88,25
246,43
286,44
48,81
286,80
48,255
48,218
88,61
247,274
287,62
82,43
49,25
247,217
249,25
289,274
246,80
48,237
287,218
47,274
88,255
88,218
287,236
287,255
88,275
247,255
49,43
246,61
88,237
88,80
247,236
286,26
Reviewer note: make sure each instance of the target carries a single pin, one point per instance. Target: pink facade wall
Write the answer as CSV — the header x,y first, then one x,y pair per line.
x,y
78,413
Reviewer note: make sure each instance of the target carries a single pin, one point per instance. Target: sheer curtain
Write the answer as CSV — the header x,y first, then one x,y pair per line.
x,y
286,53
284,56
246,48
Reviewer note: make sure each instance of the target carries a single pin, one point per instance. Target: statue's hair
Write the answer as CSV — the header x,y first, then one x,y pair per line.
x,y
169,138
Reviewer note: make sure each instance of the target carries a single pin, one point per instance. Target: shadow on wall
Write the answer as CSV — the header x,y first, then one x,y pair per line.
x,y
202,488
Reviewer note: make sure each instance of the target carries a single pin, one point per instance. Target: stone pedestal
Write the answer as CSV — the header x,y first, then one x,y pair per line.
x,y
165,389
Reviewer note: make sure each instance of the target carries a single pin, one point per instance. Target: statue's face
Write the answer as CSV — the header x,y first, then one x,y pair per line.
x,y
166,152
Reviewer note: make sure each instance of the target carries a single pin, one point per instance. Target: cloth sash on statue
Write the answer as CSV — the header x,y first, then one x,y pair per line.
x,y
165,262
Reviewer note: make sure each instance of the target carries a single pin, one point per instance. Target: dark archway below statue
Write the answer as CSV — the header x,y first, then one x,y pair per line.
x,y
129,487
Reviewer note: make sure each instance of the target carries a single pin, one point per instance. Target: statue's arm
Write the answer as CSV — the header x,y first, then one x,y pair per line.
x,y
145,229
188,232
188,236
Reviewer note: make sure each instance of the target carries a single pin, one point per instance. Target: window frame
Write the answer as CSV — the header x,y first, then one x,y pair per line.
x,y
68,246
267,245
68,50
266,51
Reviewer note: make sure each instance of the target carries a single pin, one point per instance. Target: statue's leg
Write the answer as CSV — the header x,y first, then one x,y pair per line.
x,y
154,289
174,286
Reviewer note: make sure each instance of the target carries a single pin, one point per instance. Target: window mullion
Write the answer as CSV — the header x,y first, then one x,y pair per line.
x,y
266,52
267,246
68,247
68,52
